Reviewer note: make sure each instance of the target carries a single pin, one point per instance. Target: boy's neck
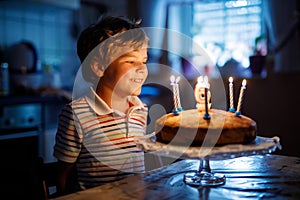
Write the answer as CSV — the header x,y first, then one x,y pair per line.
x,y
113,100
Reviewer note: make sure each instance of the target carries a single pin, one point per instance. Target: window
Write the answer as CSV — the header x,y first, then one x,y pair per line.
x,y
228,29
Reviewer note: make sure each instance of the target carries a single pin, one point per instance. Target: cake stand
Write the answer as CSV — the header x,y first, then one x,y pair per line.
x,y
204,175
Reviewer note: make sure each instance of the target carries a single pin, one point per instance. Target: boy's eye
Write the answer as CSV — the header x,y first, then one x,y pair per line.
x,y
130,61
133,62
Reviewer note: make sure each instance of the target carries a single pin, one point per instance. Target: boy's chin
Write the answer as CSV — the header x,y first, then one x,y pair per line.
x,y
137,92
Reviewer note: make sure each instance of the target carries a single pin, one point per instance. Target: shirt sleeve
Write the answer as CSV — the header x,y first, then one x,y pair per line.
x,y
68,139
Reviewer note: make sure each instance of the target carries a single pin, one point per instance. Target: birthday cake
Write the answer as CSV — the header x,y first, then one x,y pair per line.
x,y
190,128
203,125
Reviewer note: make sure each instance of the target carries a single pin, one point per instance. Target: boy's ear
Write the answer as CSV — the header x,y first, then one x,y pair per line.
x,y
97,68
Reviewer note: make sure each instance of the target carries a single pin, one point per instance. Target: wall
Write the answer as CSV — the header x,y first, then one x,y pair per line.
x,y
274,103
48,27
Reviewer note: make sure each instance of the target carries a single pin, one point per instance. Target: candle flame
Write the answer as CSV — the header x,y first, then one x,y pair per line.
x,y
205,79
172,79
230,79
200,79
203,82
244,82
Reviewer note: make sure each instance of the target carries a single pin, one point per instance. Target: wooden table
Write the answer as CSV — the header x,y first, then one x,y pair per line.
x,y
254,177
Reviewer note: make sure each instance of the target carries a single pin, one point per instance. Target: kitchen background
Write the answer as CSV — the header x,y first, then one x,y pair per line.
x,y
52,28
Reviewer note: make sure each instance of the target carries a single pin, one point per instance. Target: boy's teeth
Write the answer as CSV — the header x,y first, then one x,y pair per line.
x,y
137,80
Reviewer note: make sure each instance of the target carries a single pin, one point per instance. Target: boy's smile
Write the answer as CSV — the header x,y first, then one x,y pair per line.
x,y
137,80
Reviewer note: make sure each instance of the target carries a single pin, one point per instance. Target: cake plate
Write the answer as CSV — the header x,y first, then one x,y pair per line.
x,y
204,175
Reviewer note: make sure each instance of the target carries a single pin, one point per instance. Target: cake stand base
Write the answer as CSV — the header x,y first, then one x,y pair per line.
x,y
204,176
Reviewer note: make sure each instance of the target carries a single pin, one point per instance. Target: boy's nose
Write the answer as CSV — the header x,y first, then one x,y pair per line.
x,y
142,68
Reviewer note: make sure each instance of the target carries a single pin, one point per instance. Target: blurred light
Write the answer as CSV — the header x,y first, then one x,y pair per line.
x,y
239,3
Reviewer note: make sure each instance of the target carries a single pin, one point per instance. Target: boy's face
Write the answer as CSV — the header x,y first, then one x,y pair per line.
x,y
126,75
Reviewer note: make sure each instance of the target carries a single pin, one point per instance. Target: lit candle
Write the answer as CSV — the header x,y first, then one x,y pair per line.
x,y
179,108
199,93
241,98
206,114
174,83
231,107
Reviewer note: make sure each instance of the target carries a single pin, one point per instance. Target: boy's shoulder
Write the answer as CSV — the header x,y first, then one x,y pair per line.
x,y
76,102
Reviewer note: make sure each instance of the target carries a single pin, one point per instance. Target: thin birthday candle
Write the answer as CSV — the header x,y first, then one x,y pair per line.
x,y
179,108
231,107
241,98
175,110
206,114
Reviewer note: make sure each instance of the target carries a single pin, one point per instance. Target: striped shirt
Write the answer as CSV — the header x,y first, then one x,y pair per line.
x,y
101,140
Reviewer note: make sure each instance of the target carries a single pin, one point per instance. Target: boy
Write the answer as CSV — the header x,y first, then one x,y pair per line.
x,y
96,132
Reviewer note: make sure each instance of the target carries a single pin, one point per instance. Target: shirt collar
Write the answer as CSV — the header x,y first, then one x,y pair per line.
x,y
101,108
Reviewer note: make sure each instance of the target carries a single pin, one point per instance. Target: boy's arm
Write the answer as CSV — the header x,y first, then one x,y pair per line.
x,y
65,174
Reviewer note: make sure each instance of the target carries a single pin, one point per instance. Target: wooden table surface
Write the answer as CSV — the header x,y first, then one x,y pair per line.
x,y
267,176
